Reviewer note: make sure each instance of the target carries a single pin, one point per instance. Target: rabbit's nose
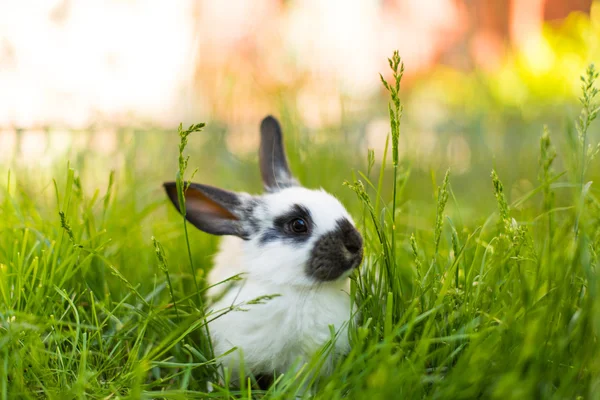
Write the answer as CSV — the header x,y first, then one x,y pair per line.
x,y
353,241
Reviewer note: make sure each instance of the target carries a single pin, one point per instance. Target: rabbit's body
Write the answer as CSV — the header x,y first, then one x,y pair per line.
x,y
295,323
293,249
281,331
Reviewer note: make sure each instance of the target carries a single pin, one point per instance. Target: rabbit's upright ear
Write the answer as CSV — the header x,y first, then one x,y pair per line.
x,y
276,174
212,210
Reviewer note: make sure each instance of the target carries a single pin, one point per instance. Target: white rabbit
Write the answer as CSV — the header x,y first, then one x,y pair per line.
x,y
293,242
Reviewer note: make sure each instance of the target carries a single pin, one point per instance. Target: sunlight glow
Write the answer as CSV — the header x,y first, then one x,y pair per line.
x,y
72,62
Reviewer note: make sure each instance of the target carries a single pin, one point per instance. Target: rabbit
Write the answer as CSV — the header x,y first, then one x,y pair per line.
x,y
297,244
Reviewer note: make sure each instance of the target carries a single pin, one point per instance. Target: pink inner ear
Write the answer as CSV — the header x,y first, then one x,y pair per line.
x,y
197,202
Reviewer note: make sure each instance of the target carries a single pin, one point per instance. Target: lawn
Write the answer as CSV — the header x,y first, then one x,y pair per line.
x,y
477,284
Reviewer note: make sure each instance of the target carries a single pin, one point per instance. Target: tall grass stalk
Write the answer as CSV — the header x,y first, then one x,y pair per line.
x,y
182,186
442,199
588,114
545,175
163,266
395,109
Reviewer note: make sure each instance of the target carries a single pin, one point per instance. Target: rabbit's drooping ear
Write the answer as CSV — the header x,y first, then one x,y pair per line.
x,y
210,209
276,174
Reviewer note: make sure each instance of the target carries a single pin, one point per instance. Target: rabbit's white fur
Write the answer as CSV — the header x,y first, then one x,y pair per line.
x,y
293,326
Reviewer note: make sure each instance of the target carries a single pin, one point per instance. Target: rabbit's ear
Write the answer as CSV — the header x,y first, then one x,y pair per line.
x,y
274,167
212,210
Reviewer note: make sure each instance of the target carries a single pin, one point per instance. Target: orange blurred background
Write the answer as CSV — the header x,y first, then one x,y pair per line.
x,y
116,63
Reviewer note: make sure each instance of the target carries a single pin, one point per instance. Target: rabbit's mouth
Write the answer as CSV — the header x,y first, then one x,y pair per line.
x,y
336,253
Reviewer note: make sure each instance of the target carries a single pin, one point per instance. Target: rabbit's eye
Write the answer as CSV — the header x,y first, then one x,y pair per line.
x,y
298,225
295,225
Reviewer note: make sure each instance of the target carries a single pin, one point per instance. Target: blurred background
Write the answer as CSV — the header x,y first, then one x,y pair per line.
x,y
104,84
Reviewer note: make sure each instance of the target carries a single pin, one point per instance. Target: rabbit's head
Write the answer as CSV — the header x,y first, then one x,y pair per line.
x,y
292,235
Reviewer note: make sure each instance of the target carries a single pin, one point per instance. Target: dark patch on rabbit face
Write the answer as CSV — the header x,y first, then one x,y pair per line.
x,y
295,226
335,252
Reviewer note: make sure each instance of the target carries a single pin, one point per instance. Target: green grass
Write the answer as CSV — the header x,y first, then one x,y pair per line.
x,y
465,291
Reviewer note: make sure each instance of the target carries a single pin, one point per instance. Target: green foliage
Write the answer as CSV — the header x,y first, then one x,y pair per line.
x,y
101,296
